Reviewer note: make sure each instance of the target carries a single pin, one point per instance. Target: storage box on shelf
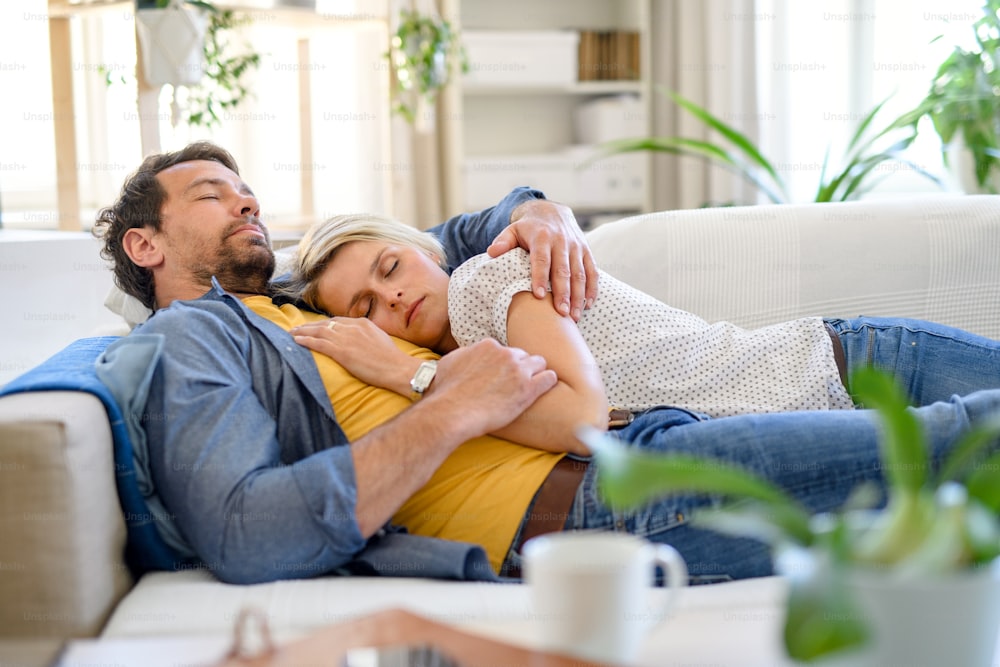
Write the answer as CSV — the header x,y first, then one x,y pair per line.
x,y
546,82
534,58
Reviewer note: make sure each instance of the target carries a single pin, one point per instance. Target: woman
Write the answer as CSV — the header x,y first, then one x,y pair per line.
x,y
627,351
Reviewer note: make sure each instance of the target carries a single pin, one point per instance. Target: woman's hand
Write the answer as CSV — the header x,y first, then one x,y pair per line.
x,y
559,254
367,352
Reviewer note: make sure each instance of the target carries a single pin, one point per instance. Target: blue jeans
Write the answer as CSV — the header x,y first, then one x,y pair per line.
x,y
932,362
818,457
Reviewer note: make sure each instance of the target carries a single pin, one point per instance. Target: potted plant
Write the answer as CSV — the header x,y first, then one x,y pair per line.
x,y
187,43
171,34
422,54
907,584
736,152
964,105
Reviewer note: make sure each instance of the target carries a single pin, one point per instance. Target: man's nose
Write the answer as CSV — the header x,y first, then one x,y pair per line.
x,y
249,205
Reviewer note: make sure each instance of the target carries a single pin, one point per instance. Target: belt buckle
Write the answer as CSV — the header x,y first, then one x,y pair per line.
x,y
619,417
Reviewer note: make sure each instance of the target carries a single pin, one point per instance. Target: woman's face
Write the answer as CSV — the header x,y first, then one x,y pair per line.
x,y
401,289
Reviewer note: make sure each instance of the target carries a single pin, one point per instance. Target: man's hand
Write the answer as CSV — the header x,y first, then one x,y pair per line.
x,y
559,254
477,390
488,385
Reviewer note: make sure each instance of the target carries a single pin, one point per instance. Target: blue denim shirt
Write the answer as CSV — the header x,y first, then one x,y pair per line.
x,y
246,454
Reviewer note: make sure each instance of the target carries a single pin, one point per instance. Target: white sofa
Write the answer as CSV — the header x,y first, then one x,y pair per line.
x,y
61,568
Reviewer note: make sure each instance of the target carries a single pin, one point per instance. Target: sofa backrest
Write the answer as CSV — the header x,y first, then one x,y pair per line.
x,y
932,257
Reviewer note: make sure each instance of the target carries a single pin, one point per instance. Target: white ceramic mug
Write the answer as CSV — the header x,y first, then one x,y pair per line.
x,y
592,591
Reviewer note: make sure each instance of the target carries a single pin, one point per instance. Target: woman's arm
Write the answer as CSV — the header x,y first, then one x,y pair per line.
x,y
550,423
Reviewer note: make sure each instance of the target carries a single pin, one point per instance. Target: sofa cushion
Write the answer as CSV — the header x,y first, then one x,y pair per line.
x,y
194,602
61,565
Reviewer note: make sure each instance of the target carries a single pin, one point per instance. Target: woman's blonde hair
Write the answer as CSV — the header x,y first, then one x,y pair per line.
x,y
323,240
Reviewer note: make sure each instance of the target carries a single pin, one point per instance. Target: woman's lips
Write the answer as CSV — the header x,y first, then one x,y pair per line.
x,y
411,313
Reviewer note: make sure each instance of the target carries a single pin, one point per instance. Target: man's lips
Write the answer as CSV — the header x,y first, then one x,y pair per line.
x,y
413,310
254,229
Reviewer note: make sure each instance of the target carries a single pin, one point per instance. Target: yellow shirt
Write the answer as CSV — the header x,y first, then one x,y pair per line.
x,y
479,494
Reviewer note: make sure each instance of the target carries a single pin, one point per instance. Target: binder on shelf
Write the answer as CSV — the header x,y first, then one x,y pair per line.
x,y
609,55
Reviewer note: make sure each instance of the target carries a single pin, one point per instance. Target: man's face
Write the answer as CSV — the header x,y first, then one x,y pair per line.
x,y
211,227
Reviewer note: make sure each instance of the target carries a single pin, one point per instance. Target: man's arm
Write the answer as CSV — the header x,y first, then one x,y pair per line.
x,y
469,234
477,390
258,500
560,256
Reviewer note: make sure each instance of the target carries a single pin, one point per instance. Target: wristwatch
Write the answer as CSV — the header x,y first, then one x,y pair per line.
x,y
422,379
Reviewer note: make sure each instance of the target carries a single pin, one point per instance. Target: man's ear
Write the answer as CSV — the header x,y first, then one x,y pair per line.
x,y
142,247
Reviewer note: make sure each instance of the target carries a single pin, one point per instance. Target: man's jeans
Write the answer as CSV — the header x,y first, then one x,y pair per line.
x,y
818,457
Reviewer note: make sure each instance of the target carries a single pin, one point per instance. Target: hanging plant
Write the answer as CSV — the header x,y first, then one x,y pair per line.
x,y
214,75
225,84
422,53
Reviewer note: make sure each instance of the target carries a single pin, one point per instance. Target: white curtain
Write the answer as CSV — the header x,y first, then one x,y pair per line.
x,y
704,51
425,155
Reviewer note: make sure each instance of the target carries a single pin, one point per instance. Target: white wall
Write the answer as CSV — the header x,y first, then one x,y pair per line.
x,y
52,290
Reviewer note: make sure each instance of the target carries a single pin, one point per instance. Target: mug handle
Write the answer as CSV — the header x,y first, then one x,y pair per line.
x,y
676,573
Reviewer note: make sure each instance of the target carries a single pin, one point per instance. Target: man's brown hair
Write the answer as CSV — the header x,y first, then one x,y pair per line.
x,y
138,206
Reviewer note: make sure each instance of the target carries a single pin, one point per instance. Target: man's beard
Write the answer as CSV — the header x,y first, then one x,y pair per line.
x,y
247,270
243,265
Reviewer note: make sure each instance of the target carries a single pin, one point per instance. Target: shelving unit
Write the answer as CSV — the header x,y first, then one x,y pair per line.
x,y
520,127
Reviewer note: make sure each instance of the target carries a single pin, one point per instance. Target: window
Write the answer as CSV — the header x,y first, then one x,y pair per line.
x,y
347,125
823,67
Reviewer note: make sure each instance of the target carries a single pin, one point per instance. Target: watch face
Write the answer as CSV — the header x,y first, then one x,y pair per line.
x,y
422,378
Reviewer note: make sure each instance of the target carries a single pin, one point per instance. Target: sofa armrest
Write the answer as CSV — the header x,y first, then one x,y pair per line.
x,y
62,567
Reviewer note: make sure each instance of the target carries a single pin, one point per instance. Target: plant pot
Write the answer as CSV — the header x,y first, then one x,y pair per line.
x,y
944,620
172,44
948,619
962,169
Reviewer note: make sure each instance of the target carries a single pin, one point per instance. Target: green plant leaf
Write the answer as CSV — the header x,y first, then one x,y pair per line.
x,y
944,548
733,135
775,524
863,125
674,145
691,148
969,448
983,483
896,531
630,477
904,451
821,618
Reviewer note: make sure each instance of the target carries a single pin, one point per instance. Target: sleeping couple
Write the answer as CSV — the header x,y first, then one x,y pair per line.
x,y
459,392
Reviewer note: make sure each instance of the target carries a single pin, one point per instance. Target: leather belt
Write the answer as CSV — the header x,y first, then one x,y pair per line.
x,y
550,508
838,352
